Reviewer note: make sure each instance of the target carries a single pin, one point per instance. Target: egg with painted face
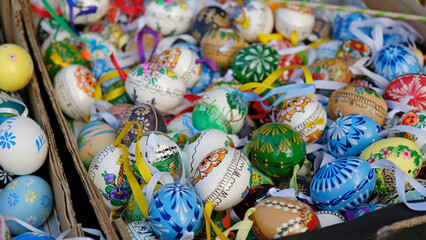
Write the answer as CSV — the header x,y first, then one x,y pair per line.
x,y
410,88
305,115
403,152
75,91
108,175
222,108
252,18
28,198
17,67
343,184
291,18
155,84
223,177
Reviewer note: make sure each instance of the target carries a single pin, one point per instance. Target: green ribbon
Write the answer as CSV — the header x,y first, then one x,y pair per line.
x,y
293,180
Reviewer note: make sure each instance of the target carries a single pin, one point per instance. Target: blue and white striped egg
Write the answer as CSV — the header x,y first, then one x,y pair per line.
x,y
343,184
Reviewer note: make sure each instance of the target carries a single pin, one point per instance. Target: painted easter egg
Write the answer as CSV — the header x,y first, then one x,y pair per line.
x,y
176,210
327,49
61,54
223,177
401,151
222,220
290,17
155,84
351,134
329,218
355,99
208,18
169,17
85,11
28,198
110,31
333,69
94,136
17,67
305,115
108,175
411,86
113,97
395,60
147,116
133,210
20,133
342,23
288,59
344,183
352,50
99,47
182,61
223,108
206,78
180,129
118,110
201,144
75,91
141,230
254,196
276,148
259,178
34,236
158,151
415,118
220,45
60,35
277,217
254,63
252,18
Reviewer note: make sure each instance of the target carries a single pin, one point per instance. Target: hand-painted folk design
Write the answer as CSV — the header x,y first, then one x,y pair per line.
x,y
411,86
352,50
209,162
344,183
85,81
333,69
141,230
208,18
61,54
291,18
275,149
415,118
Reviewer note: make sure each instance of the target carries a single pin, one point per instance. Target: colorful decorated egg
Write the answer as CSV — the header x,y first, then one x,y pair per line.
x,y
275,149
305,115
28,198
133,210
60,35
113,96
222,220
288,59
329,218
108,175
333,69
23,145
98,46
277,217
110,31
290,17
180,129
351,134
92,138
201,144
220,45
327,49
147,116
158,151
401,151
395,60
344,183
169,17
34,236
155,84
17,67
61,54
254,63
141,230
412,86
176,211
223,108
208,18
254,196
75,90
341,26
118,110
355,99
182,62
259,178
252,18
415,118
85,11
352,50
223,177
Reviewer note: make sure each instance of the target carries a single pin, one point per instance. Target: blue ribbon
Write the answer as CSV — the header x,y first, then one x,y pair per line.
x,y
187,122
72,4
108,117
95,46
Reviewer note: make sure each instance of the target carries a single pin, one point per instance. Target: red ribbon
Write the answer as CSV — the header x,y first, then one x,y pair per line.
x,y
123,75
135,7
43,13
186,110
191,97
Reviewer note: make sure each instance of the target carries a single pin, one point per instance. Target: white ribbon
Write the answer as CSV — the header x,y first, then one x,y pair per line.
x,y
227,46
167,42
94,232
99,106
124,59
47,28
401,106
405,128
229,76
288,193
330,85
12,110
163,177
137,24
359,68
187,235
238,142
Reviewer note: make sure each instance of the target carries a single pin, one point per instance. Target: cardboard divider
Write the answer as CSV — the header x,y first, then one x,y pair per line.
x,y
14,33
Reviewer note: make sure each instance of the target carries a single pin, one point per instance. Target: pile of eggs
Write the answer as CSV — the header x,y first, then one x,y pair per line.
x,y
197,91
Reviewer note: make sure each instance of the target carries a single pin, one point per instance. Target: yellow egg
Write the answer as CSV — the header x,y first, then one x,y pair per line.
x,y
16,68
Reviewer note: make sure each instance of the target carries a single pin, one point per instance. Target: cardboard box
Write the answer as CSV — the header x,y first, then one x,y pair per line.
x,y
11,18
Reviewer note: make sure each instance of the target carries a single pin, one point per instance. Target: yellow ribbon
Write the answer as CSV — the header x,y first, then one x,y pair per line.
x,y
317,43
208,209
243,226
58,60
266,38
143,169
318,121
259,88
113,94
293,38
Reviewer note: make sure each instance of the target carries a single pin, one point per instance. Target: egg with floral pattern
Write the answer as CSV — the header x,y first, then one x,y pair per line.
x,y
175,211
403,152
352,50
16,69
411,86
415,118
28,198
344,183
333,69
